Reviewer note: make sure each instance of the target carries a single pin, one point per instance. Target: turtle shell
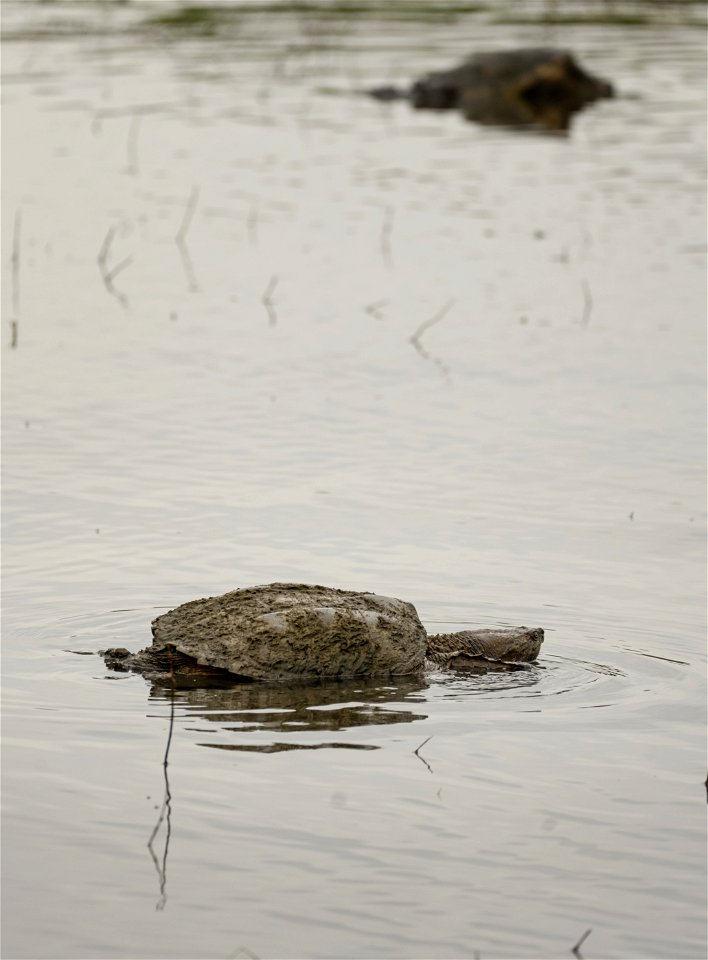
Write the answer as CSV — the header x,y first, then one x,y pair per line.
x,y
282,631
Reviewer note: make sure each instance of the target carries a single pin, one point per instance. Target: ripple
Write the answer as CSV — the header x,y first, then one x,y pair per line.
x,y
272,718
553,676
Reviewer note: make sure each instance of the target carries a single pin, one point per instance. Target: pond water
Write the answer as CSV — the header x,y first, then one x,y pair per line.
x,y
259,327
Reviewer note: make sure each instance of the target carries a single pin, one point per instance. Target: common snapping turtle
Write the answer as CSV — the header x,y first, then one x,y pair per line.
x,y
536,88
288,631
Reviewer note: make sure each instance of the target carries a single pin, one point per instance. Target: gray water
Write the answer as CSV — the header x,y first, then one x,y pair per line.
x,y
215,255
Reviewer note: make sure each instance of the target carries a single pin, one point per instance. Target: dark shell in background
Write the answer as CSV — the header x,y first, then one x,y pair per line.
x,y
537,89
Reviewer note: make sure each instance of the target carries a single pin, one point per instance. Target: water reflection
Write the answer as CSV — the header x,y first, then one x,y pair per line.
x,y
165,814
280,747
283,708
297,711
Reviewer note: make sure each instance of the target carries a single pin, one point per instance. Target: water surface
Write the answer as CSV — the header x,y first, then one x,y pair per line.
x,y
222,253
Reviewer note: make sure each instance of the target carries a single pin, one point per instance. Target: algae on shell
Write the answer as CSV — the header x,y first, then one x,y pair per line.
x,y
288,630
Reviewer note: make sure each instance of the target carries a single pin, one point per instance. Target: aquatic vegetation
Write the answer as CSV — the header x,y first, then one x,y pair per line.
x,y
207,17
554,18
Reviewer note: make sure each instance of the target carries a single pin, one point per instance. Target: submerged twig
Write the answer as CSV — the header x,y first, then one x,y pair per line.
x,y
188,214
267,300
415,338
181,238
105,247
240,953
108,275
166,809
374,309
581,941
416,752
268,303
427,324
118,269
165,759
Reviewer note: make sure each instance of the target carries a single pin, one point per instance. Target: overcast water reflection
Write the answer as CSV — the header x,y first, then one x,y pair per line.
x,y
260,327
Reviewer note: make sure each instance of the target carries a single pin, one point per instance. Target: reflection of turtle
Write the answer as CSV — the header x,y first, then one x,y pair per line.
x,y
275,717
287,631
